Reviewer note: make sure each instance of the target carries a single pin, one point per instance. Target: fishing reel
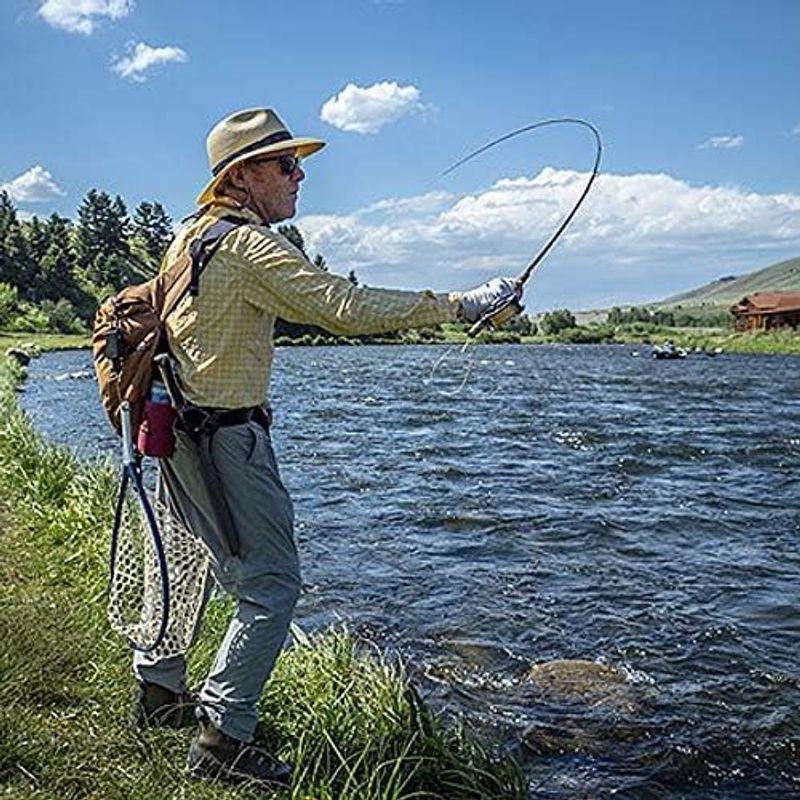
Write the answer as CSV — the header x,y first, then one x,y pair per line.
x,y
498,314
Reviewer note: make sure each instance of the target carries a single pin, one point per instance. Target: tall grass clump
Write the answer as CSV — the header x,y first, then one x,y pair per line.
x,y
346,716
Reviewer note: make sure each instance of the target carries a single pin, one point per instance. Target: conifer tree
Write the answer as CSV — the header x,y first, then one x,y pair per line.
x,y
30,277
36,235
17,260
8,220
101,240
152,230
56,266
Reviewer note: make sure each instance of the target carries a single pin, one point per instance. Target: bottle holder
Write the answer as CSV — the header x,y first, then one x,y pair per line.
x,y
156,436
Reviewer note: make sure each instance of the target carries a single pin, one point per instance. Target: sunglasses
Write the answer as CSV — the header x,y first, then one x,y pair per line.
x,y
287,164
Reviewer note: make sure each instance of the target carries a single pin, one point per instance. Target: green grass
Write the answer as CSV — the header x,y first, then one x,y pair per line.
x,y
344,714
783,342
44,341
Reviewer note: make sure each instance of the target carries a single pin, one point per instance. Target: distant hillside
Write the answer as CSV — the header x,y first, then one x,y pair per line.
x,y
782,277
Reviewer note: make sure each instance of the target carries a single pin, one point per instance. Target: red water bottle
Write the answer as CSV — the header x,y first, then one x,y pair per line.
x,y
157,432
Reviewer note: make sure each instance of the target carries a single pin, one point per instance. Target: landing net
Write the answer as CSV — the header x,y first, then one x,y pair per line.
x,y
140,593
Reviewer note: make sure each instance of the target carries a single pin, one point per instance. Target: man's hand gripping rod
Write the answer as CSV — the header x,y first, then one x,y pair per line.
x,y
505,308
500,312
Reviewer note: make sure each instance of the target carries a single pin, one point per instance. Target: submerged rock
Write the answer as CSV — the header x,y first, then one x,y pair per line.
x,y
576,679
586,707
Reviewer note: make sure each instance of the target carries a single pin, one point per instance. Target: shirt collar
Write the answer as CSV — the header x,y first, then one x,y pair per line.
x,y
223,206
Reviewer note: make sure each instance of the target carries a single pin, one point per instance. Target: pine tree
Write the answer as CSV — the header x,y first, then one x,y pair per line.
x,y
36,235
152,231
8,220
101,240
57,264
351,276
17,267
31,281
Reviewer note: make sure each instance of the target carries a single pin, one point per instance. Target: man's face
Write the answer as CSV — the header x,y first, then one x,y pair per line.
x,y
272,191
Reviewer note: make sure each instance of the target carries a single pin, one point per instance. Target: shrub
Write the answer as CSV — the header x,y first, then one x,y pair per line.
x,y
595,334
30,319
554,321
9,304
61,316
521,324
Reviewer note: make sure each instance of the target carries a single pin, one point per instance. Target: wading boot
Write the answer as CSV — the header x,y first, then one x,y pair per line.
x,y
158,707
217,756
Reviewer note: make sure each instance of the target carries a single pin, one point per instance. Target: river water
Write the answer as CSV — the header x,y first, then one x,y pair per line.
x,y
569,502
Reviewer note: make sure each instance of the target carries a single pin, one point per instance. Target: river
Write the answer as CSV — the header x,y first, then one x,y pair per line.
x,y
569,502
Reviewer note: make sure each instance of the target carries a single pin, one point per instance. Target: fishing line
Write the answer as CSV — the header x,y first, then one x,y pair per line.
x,y
443,358
507,308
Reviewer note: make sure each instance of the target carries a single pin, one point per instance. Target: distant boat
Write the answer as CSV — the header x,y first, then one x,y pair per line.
x,y
669,351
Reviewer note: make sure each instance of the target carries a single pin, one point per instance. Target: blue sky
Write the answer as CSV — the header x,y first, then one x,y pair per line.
x,y
698,103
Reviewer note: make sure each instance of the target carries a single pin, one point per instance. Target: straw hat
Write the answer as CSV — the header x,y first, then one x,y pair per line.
x,y
243,135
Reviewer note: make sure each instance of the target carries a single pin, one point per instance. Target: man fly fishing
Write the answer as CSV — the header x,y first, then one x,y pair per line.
x,y
223,480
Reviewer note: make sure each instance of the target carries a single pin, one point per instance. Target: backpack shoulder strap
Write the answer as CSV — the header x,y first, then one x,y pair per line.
x,y
204,247
200,252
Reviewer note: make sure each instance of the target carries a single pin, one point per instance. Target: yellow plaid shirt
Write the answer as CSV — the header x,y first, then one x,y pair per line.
x,y
222,339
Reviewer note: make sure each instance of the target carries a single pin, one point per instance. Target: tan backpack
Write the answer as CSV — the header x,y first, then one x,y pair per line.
x,y
130,328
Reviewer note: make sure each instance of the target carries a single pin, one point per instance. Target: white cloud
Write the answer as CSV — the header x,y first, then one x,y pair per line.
x,y
366,109
34,186
722,143
796,130
641,234
81,16
142,58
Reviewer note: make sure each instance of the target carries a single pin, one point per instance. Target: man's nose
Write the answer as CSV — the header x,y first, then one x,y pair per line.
x,y
298,174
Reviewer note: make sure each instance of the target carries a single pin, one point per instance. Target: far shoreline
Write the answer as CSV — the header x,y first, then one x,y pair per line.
x,y
780,342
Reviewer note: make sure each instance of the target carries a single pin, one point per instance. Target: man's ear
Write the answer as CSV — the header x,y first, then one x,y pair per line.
x,y
237,178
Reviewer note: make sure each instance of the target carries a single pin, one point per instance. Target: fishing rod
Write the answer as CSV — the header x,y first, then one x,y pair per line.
x,y
509,306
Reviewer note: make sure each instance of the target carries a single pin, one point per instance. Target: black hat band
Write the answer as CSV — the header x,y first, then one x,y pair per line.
x,y
274,138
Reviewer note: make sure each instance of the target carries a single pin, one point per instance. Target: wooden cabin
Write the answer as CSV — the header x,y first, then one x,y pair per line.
x,y
767,311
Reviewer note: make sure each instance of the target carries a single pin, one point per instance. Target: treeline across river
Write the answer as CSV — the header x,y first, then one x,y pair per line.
x,y
635,323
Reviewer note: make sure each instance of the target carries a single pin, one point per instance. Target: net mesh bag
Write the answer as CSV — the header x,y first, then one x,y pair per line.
x,y
136,600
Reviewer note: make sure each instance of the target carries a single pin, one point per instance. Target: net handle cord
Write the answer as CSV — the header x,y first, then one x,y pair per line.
x,y
539,257
132,473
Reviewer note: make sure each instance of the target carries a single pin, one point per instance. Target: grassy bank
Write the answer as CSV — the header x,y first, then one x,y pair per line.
x,y
44,341
755,342
784,342
346,717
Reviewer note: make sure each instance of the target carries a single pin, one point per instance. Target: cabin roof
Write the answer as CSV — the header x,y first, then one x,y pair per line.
x,y
768,303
